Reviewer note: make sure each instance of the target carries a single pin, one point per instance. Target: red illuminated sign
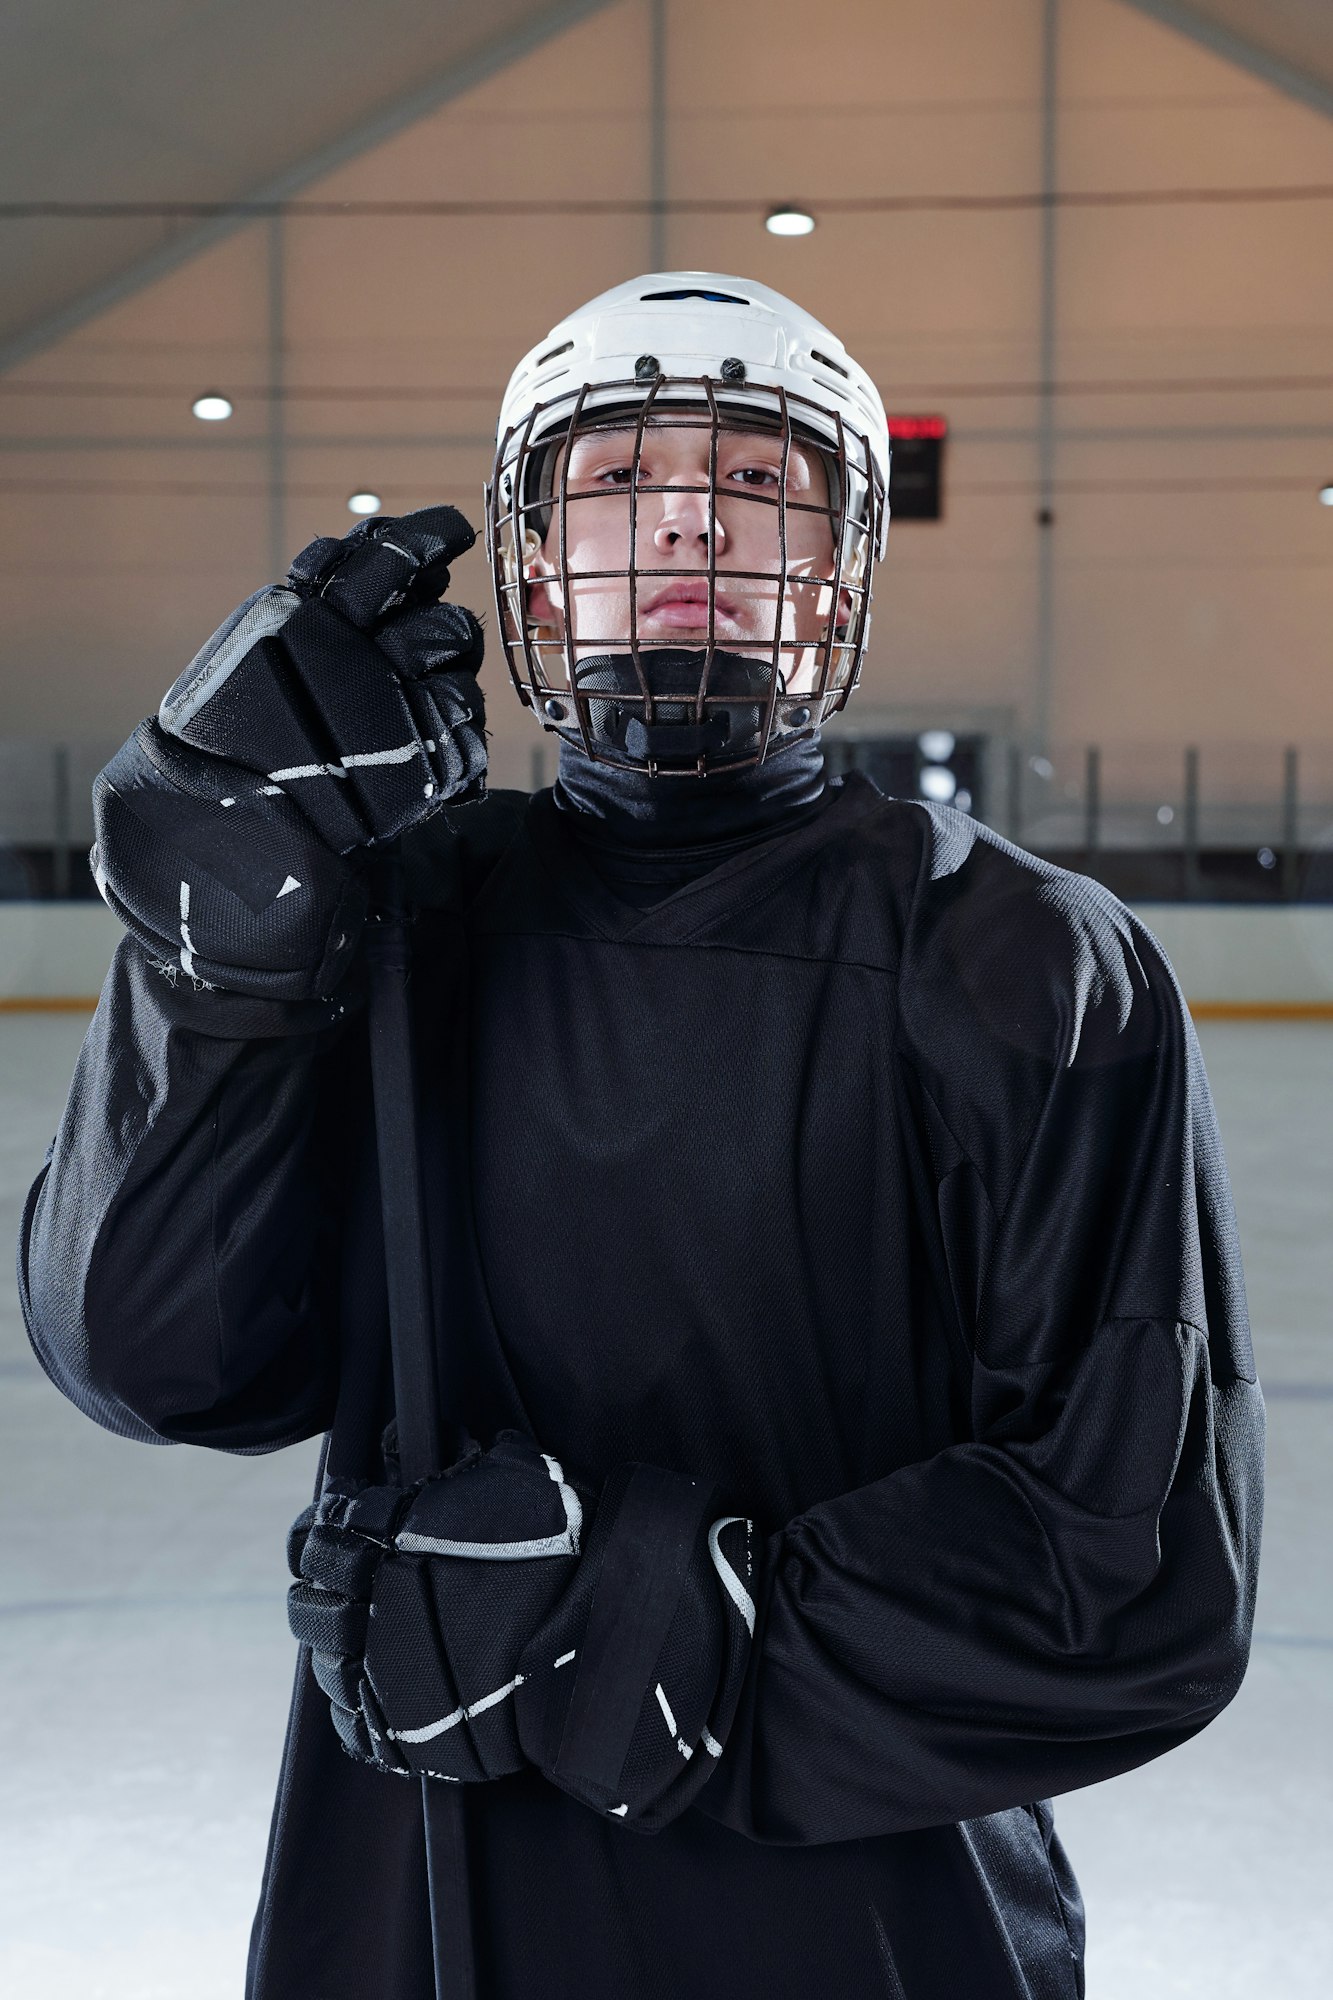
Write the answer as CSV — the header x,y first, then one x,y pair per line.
x,y
918,427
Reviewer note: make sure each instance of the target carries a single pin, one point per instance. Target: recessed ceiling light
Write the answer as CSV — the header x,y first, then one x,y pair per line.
x,y
364,503
789,222
212,408
1326,495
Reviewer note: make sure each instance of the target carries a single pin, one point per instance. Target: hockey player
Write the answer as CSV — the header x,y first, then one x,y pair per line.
x,y
833,1261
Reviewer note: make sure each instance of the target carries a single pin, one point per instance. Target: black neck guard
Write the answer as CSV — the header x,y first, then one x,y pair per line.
x,y
626,808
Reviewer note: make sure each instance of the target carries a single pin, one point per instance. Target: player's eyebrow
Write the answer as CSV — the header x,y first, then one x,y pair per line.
x,y
591,444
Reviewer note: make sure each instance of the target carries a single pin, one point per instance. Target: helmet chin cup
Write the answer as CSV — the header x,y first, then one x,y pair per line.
x,y
697,715
676,738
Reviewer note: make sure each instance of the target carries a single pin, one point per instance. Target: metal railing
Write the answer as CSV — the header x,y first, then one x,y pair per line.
x,y
1211,807
1213,818
46,823
1219,820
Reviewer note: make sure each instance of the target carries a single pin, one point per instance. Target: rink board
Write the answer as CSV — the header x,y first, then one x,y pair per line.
x,y
1232,962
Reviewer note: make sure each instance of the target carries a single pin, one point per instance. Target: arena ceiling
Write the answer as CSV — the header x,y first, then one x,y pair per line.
x,y
1287,42
244,100
207,101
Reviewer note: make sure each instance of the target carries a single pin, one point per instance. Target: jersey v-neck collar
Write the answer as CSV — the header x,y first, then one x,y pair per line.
x,y
686,911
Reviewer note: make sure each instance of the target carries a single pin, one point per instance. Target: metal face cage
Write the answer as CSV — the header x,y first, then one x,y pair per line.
x,y
562,674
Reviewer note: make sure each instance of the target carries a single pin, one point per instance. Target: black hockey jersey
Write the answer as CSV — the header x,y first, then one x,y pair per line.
x,y
871,1175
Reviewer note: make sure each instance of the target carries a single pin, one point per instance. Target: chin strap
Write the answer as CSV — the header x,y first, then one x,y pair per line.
x,y
663,730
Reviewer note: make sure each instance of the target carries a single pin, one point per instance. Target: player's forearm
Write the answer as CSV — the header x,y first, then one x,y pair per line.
x,y
168,1261
1005,1622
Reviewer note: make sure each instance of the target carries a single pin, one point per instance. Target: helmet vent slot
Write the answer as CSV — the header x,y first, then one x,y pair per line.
x,y
555,353
836,366
713,298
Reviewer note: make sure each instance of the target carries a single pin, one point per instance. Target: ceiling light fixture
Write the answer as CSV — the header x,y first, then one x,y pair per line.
x,y
212,408
1326,494
364,502
788,221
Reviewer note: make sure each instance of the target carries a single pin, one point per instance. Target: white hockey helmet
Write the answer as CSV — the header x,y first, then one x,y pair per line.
x,y
743,356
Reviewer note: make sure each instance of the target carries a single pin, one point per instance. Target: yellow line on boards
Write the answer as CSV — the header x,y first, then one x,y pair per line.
x,y
1262,1010
46,1003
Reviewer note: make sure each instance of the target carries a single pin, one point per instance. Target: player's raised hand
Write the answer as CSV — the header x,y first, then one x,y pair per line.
x,y
328,714
350,688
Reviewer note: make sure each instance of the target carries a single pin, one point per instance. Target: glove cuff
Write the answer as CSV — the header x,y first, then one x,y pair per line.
x,y
657,1518
641,1664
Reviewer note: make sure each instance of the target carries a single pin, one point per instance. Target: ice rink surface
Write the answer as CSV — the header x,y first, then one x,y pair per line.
x,y
146,1665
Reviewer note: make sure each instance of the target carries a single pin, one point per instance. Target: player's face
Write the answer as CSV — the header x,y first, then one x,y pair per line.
x,y
670,550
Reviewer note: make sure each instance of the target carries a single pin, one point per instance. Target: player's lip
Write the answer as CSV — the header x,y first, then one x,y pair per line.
x,y
686,594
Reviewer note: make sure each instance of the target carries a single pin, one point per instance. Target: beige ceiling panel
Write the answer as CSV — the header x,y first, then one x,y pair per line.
x,y
1289,43
165,100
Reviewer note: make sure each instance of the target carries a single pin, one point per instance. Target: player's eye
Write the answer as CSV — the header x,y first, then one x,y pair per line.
x,y
593,471
755,475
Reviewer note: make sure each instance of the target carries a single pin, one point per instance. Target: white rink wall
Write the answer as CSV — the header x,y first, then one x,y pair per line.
x,y
1228,955
1225,956
55,951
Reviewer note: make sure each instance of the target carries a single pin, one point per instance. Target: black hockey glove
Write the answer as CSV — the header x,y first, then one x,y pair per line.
x,y
325,716
459,1633
417,1604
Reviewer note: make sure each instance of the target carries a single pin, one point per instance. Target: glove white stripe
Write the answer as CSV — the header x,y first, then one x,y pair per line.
x,y
429,1545
187,942
566,1544
425,1734
731,1583
572,1504
670,1720
711,1744
402,755
451,1721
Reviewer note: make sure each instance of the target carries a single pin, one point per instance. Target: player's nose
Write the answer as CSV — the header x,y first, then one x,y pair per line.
x,y
684,518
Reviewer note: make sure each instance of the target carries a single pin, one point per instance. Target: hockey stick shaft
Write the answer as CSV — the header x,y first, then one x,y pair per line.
x,y
412,1345
407,1269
